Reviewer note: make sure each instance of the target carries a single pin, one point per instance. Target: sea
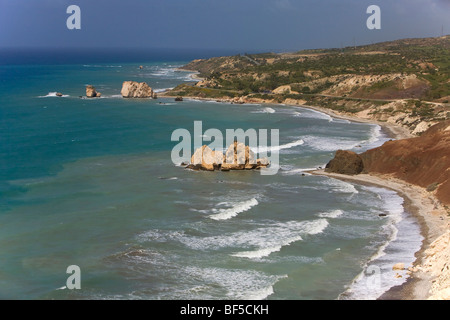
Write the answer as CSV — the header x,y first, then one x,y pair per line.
x,y
90,183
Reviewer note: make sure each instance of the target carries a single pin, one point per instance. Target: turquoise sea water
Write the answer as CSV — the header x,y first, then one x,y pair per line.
x,y
90,182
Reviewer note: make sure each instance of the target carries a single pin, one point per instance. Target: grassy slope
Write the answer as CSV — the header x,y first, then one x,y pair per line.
x,y
414,71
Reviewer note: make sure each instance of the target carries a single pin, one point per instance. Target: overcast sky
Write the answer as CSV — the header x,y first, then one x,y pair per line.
x,y
250,25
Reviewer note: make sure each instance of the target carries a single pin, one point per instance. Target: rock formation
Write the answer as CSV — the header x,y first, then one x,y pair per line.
x,y
91,92
133,89
237,157
345,162
423,161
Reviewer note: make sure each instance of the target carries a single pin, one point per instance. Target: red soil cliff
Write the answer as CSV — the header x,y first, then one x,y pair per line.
x,y
423,161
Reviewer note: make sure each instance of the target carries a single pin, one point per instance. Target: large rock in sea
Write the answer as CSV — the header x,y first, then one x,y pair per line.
x,y
238,156
91,92
345,162
133,89
206,159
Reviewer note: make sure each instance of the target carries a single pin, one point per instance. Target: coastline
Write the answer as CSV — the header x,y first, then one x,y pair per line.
x,y
393,131
433,219
433,222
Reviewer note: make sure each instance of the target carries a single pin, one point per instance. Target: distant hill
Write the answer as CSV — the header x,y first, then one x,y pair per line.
x,y
390,81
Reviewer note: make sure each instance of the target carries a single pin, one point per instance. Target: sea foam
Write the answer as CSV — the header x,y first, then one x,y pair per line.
x,y
237,208
283,235
289,145
53,94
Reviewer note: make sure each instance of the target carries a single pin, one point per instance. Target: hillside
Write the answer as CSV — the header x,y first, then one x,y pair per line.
x,y
422,161
404,81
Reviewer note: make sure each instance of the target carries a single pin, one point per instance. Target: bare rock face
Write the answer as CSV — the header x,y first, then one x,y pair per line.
x,y
91,92
133,89
345,162
238,156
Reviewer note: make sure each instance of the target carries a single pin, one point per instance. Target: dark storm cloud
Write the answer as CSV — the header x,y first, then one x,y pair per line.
x,y
253,25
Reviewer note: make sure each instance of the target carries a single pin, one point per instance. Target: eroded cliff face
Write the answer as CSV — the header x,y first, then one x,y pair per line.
x,y
423,161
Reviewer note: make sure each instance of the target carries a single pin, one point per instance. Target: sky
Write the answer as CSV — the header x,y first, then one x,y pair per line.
x,y
245,25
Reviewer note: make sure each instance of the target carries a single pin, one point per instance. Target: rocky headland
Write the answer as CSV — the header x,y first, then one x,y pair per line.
x,y
422,161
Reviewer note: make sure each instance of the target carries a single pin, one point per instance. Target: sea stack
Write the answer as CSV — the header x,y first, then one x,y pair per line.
x,y
133,89
91,92
237,157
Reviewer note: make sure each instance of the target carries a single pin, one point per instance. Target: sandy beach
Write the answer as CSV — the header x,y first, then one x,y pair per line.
x,y
434,223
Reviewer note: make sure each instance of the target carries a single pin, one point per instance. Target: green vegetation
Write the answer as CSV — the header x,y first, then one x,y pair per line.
x,y
415,72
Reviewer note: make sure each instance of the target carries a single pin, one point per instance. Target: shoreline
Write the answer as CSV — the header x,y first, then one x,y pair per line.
x,y
431,216
432,220
393,131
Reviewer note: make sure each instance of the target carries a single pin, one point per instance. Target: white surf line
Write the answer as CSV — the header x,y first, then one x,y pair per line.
x,y
240,207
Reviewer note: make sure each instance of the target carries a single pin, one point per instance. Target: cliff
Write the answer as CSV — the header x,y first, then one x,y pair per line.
x,y
422,161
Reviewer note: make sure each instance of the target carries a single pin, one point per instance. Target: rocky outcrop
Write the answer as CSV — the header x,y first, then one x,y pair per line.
x,y
133,89
422,161
345,162
91,92
237,157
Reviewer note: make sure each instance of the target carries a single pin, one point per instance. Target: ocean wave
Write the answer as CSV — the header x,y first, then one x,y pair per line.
x,y
403,240
101,66
239,284
162,90
374,138
193,281
296,171
313,114
331,214
53,94
264,252
257,243
111,96
288,233
339,186
237,208
331,143
169,72
289,145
